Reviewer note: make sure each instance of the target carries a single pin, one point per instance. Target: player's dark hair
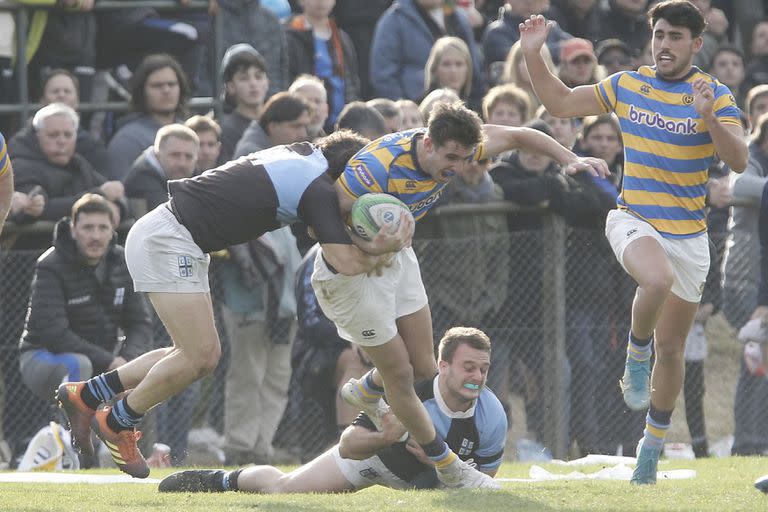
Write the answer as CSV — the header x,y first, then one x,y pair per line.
x,y
91,203
149,65
283,107
679,13
338,148
456,336
361,118
454,122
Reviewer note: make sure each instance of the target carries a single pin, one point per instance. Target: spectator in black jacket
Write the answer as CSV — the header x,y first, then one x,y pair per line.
x,y
244,75
83,316
173,156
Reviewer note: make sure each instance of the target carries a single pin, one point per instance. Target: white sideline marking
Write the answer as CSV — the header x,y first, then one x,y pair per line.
x,y
618,472
71,478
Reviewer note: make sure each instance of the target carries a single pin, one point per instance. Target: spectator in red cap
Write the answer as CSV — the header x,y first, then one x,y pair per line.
x,y
578,64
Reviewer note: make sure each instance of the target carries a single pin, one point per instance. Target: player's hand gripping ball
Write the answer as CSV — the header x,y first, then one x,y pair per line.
x,y
371,212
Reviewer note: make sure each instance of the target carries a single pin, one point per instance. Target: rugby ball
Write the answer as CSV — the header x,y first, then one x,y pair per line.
x,y
372,211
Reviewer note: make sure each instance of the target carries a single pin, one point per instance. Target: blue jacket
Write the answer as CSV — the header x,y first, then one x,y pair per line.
x,y
504,32
401,45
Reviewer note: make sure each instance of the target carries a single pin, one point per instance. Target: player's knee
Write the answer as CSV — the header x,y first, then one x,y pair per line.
x,y
211,360
670,351
205,359
659,283
424,371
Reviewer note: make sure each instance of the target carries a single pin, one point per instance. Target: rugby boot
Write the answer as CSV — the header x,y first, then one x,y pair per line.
x,y
121,445
79,415
636,384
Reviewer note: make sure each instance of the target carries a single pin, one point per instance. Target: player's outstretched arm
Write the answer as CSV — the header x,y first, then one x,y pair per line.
x,y
504,138
559,99
6,193
357,442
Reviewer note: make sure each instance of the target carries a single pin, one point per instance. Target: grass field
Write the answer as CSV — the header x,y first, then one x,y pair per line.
x,y
721,485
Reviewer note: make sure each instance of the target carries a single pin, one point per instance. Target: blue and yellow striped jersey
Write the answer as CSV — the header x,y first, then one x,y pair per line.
x,y
4,159
667,147
389,165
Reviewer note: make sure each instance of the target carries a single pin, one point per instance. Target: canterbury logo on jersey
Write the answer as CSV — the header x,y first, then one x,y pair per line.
x,y
656,120
369,334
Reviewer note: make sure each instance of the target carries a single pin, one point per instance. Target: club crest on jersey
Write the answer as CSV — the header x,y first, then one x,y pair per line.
x,y
685,126
466,447
362,174
185,266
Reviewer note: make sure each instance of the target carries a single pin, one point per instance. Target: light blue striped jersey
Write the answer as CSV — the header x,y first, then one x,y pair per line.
x,y
667,146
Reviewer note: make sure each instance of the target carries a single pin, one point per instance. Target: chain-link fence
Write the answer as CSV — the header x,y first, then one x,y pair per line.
x,y
556,306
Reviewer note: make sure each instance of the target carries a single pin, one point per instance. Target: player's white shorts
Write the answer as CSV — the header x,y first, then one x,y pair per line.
x,y
364,308
367,472
162,257
689,257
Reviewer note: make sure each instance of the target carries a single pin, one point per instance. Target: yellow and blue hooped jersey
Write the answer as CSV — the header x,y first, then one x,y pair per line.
x,y
388,165
4,159
667,147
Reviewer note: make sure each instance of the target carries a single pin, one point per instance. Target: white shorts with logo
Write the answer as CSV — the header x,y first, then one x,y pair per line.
x,y
689,257
162,257
367,472
365,308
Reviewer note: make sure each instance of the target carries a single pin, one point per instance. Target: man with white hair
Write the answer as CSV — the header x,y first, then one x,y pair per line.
x,y
49,174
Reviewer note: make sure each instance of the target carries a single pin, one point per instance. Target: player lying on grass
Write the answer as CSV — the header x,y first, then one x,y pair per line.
x,y
464,412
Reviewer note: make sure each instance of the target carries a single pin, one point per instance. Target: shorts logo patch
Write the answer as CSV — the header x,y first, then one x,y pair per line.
x,y
185,266
631,232
363,175
369,334
369,473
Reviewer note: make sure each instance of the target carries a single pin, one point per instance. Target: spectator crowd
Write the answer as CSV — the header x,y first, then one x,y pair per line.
x,y
296,71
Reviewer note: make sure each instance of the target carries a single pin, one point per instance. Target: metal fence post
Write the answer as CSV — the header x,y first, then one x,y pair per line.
x,y
22,28
556,380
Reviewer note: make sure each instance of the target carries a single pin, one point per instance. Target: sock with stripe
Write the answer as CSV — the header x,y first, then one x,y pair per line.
x,y
438,452
101,388
229,480
368,389
122,417
656,426
639,349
